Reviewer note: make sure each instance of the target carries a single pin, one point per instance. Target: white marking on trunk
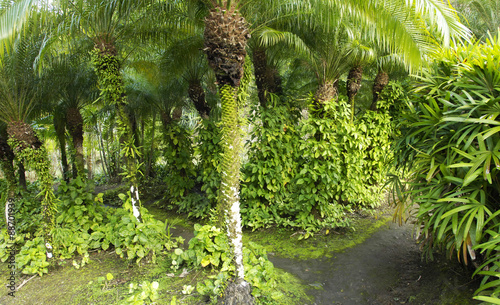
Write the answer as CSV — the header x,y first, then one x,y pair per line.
x,y
135,210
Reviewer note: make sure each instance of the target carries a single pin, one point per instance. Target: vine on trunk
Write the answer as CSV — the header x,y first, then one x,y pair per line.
x,y
112,90
37,160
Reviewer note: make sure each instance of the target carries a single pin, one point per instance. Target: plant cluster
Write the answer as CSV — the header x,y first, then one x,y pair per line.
x,y
451,152
144,293
83,225
181,170
210,249
209,151
309,174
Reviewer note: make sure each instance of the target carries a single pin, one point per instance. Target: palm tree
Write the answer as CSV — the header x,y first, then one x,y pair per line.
x,y
225,40
482,16
74,84
184,57
12,16
105,23
20,92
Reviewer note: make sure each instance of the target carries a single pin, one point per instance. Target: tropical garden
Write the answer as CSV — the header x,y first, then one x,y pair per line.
x,y
241,116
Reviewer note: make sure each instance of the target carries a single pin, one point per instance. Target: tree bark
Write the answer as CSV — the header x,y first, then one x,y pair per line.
x,y
327,91
229,204
7,164
60,129
238,292
353,85
21,172
149,172
74,122
197,96
225,40
381,80
267,78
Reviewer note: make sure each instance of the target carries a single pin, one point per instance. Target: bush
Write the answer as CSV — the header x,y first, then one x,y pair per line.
x,y
209,248
271,166
451,149
307,175
84,224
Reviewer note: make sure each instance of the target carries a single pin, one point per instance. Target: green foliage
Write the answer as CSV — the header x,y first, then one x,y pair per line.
x,y
451,147
144,293
231,160
37,160
111,84
84,224
210,155
181,171
30,254
112,90
32,257
272,151
27,210
210,249
308,175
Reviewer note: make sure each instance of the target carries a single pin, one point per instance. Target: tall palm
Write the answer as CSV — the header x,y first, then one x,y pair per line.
x,y
105,23
74,84
20,92
184,58
225,39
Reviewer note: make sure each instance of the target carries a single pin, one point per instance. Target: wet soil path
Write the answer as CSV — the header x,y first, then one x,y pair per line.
x,y
385,269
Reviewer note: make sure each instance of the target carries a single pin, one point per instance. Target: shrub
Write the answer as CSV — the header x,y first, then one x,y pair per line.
x,y
451,149
209,248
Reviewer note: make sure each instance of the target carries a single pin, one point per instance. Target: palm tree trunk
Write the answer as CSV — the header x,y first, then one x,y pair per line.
x,y
230,176
64,161
267,78
7,165
21,172
60,129
327,90
353,85
149,172
260,64
197,96
110,81
381,80
104,161
74,121
225,39
29,148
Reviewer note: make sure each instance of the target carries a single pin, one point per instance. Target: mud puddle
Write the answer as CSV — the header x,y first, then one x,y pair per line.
x,y
385,269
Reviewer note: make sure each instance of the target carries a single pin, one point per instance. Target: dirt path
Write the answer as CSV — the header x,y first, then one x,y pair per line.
x,y
385,269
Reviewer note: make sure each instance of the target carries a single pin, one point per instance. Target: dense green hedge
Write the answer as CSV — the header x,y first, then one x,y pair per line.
x,y
310,174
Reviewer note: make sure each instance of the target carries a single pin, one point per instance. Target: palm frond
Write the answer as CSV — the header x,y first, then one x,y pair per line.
x,y
13,16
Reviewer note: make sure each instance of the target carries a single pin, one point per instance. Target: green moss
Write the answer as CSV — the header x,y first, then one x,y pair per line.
x,y
293,290
286,243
